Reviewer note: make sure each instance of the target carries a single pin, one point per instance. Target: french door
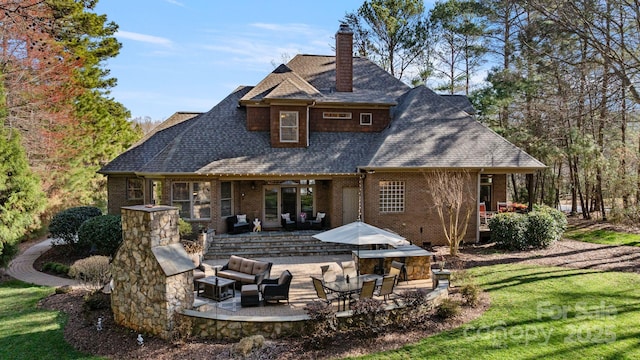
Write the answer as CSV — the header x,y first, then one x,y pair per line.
x,y
282,199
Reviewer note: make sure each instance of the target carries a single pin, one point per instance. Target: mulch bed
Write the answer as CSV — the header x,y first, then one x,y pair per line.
x,y
119,343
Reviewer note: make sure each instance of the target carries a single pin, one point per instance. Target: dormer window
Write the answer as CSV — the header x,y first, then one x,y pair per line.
x,y
289,126
365,119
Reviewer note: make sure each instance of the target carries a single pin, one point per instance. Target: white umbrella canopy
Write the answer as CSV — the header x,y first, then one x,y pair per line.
x,y
360,233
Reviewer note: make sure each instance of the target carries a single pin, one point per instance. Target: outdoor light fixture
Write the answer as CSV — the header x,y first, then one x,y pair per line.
x,y
140,340
253,185
99,324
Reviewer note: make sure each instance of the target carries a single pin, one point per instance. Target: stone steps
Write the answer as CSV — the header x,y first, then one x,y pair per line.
x,y
272,244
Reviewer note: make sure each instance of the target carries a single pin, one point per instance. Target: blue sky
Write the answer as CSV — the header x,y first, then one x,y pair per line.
x,y
187,55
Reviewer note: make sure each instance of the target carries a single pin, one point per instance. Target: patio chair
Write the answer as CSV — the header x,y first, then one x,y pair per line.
x,y
287,223
329,273
386,289
349,269
368,287
503,206
322,295
398,270
276,289
320,222
484,215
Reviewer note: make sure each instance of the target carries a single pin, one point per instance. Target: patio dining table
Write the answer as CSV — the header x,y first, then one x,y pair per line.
x,y
344,287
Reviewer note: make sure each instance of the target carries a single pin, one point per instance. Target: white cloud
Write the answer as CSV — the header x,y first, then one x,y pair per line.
x,y
283,29
144,38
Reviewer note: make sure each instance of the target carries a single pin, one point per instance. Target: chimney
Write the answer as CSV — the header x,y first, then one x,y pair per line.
x,y
344,59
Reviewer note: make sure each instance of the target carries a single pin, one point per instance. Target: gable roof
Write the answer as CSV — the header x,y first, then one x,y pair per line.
x,y
426,131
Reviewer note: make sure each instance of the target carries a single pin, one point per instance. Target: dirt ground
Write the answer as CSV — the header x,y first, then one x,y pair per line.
x,y
119,343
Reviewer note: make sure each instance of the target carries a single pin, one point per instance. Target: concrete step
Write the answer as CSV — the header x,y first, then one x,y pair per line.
x,y
271,244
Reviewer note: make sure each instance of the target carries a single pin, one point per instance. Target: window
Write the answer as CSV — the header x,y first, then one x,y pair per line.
x,y
289,126
391,196
336,115
365,119
226,199
134,189
193,199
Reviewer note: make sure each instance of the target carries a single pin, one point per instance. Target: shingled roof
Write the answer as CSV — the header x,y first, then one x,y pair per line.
x,y
427,131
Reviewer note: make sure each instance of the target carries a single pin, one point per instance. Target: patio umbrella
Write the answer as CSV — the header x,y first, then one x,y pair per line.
x,y
360,233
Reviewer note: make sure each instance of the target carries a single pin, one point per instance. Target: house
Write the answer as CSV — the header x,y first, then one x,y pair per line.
x,y
331,134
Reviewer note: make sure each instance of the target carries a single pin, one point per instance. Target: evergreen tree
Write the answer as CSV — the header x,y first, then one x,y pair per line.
x,y
21,198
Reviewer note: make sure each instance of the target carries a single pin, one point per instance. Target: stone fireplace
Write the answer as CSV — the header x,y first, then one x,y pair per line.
x,y
152,273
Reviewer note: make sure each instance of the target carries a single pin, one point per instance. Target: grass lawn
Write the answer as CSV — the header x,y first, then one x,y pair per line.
x,y
543,313
606,237
27,332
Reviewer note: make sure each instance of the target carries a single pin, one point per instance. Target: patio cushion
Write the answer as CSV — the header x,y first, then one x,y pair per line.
x,y
235,262
259,267
242,219
247,266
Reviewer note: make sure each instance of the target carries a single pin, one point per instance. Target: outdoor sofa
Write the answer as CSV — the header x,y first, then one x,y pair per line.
x,y
245,271
237,224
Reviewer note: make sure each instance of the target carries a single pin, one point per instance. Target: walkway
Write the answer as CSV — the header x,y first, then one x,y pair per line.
x,y
22,269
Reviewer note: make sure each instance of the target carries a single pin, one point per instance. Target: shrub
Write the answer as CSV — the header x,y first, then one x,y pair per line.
x,y
448,309
368,316
184,228
508,231
541,229
96,300
56,268
559,219
101,234
323,324
65,224
470,294
92,272
8,250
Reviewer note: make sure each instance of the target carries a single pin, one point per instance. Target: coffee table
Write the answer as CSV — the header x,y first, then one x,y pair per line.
x,y
216,288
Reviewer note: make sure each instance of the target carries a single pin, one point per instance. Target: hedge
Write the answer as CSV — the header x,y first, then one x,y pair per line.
x,y
536,229
101,235
65,224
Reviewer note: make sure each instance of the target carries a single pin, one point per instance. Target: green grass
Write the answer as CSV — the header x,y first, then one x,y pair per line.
x,y
27,332
543,313
606,237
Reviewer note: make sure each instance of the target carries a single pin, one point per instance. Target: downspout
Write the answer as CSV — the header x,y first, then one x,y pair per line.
x,y
308,121
477,206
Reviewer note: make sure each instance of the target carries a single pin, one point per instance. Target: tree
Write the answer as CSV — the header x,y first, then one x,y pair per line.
x,y
454,201
460,51
21,199
392,33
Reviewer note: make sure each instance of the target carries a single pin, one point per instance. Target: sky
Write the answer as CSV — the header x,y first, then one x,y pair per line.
x,y
187,55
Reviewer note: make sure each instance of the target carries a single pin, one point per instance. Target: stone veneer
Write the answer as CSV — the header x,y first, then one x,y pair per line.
x,y
144,297
210,325
418,267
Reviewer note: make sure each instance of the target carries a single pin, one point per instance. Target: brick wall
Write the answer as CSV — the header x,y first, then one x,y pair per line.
x,y
419,211
380,119
117,194
344,59
258,118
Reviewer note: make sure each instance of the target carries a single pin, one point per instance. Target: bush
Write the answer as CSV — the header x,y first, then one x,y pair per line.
x,y
96,300
93,272
184,229
101,235
559,219
323,324
65,224
8,251
470,294
448,309
541,229
508,231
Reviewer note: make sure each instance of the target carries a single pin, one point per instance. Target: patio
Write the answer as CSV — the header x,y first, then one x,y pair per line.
x,y
301,291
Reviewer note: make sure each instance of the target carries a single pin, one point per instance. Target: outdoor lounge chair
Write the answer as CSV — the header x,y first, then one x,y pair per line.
x,y
287,223
386,289
320,222
276,289
329,273
322,295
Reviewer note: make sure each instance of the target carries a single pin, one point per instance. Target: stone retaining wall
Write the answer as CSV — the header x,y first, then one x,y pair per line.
x,y
209,325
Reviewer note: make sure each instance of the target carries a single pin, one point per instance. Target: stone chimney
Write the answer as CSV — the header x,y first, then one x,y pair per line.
x,y
344,59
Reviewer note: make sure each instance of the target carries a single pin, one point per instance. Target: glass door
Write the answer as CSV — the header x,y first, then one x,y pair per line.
x,y
271,206
289,201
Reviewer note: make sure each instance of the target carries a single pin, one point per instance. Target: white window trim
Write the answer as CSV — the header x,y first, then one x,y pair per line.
x,y
370,119
336,115
296,127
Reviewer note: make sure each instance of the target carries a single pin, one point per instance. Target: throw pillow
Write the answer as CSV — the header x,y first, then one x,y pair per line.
x,y
285,216
319,216
242,219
